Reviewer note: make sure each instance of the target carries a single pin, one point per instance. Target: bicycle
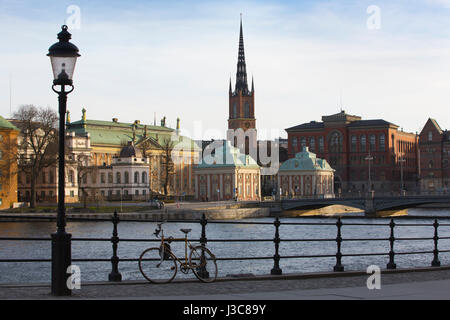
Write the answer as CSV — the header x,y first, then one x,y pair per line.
x,y
159,264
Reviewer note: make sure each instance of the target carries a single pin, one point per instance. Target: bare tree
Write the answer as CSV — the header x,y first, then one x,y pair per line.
x,y
84,169
38,142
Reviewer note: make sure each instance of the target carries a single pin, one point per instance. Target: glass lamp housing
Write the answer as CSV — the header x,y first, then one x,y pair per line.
x,y
63,57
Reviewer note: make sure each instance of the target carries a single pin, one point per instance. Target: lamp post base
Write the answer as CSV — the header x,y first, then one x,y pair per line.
x,y
61,260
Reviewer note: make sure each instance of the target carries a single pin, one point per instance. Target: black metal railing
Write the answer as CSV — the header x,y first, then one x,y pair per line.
x,y
115,241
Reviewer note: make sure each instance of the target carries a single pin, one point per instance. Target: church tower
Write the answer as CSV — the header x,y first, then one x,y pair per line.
x,y
241,99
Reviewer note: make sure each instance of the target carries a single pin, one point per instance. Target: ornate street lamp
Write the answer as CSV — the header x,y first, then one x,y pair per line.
x,y
63,56
369,158
402,184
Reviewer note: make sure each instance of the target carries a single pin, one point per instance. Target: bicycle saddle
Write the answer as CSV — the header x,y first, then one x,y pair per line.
x,y
186,231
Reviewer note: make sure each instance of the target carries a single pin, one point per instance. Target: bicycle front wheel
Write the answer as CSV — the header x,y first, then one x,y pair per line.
x,y
203,264
154,268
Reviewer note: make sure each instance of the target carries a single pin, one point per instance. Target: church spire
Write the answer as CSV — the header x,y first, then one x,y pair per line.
x,y
241,74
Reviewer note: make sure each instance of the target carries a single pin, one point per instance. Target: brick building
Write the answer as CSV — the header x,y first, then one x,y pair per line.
x,y
434,146
351,145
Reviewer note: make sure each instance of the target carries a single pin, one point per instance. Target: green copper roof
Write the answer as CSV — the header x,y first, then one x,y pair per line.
x,y
119,133
5,124
305,161
227,156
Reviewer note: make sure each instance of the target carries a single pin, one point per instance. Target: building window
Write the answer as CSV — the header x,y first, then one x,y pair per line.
x,y
382,143
303,142
72,193
118,178
143,192
321,146
294,141
353,143
110,177
363,143
235,113
144,177
127,177
430,164
71,176
247,110
335,142
430,136
312,144
102,177
136,177
136,192
372,142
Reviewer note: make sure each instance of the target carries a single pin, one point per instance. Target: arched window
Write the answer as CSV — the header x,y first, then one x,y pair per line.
x,y
303,142
246,110
118,177
353,143
312,144
321,146
71,175
144,177
372,142
363,143
382,142
127,177
335,142
136,177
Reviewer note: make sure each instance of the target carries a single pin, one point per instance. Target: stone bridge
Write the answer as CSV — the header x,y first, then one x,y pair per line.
x,y
370,205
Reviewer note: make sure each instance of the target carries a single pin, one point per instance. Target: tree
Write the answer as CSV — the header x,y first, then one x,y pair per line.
x,y
167,165
38,142
84,169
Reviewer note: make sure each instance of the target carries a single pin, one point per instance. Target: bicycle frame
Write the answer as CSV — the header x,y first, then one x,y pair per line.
x,y
186,244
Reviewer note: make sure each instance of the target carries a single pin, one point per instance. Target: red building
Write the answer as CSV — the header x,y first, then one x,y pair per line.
x,y
434,146
352,146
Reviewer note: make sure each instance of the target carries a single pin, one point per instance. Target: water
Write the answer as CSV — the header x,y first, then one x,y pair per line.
x,y
98,271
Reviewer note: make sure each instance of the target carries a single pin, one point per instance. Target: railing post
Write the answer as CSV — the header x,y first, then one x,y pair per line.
x,y
115,274
276,257
338,267
203,240
391,264
436,262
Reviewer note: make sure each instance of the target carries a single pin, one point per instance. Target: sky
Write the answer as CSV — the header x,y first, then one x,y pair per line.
x,y
145,59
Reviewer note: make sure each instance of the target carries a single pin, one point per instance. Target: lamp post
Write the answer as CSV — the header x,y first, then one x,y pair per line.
x,y
63,56
369,158
402,160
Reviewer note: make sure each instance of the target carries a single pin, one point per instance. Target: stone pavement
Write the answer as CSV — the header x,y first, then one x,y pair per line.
x,y
426,283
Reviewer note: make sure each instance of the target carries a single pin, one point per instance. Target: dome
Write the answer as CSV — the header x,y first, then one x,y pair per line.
x,y
130,151
305,161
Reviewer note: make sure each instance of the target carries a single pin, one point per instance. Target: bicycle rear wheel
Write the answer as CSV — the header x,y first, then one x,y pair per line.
x,y
155,269
203,264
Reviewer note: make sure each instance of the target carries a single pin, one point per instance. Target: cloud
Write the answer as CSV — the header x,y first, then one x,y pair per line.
x,y
176,58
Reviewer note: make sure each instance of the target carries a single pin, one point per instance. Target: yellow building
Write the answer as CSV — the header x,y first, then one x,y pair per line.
x,y
107,138
8,163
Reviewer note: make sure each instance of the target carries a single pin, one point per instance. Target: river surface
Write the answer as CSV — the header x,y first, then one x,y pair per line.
x,y
14,272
